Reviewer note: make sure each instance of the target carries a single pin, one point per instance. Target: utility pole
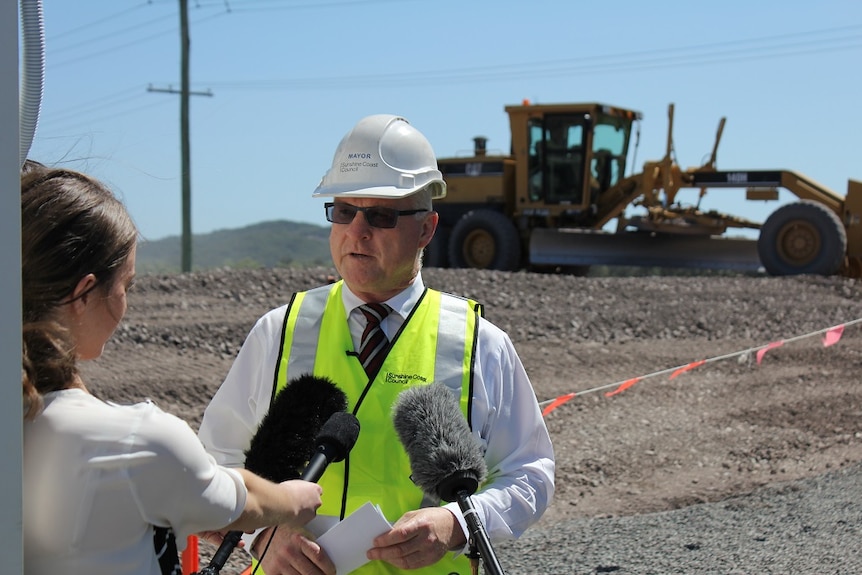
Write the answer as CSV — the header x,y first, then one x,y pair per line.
x,y
185,146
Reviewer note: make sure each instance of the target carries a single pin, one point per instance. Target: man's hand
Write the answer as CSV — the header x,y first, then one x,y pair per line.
x,y
420,538
291,553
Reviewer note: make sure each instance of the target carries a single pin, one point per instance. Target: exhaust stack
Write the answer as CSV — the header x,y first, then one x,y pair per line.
x,y
479,145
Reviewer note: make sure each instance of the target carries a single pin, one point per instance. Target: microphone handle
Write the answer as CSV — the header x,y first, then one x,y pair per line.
x,y
478,534
325,453
316,466
312,472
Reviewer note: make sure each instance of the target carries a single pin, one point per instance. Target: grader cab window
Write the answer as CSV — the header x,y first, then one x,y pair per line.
x,y
556,159
610,143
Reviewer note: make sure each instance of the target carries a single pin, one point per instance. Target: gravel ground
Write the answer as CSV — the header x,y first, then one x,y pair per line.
x,y
811,526
736,466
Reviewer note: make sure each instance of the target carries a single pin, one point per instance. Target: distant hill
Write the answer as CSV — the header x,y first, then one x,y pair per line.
x,y
284,243
267,244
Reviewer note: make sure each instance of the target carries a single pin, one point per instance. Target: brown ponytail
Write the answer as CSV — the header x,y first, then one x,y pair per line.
x,y
71,226
49,363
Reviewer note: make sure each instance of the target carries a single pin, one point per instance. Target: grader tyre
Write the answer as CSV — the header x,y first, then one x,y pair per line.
x,y
485,239
804,237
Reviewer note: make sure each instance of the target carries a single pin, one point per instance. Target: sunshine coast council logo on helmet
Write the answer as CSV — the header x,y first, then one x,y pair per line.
x,y
357,160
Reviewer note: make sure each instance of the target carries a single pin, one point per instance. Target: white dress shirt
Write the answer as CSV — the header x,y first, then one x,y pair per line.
x,y
506,417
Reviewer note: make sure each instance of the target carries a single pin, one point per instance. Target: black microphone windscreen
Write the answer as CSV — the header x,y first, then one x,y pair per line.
x,y
285,440
444,455
339,434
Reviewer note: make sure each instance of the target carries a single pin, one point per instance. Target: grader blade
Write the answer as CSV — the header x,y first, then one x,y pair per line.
x,y
570,247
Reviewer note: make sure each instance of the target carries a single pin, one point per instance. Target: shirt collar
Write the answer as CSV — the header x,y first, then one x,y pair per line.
x,y
402,303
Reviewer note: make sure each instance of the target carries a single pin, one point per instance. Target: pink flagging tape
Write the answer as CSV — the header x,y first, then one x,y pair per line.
x,y
623,386
557,403
688,367
831,335
762,351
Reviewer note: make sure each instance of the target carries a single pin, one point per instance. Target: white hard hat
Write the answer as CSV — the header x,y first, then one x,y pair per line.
x,y
383,156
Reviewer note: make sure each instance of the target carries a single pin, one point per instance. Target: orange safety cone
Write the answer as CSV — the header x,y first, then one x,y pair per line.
x,y
190,555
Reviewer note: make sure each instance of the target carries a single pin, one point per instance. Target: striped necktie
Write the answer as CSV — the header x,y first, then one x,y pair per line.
x,y
373,345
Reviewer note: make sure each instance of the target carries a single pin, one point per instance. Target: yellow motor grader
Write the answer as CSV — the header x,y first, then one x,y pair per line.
x,y
548,203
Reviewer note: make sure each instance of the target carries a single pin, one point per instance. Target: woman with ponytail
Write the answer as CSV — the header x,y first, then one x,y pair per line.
x,y
109,489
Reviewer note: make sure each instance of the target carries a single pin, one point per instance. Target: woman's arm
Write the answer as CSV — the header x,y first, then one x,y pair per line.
x,y
293,502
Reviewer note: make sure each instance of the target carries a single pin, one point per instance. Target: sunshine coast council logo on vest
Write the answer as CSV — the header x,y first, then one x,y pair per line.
x,y
404,378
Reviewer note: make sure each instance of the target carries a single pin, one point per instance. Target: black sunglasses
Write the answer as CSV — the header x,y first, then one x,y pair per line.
x,y
376,216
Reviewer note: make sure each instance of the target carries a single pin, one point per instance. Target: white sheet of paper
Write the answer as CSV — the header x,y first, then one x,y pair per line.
x,y
321,524
347,542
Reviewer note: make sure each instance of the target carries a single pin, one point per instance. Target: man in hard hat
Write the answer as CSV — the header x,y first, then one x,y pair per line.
x,y
382,181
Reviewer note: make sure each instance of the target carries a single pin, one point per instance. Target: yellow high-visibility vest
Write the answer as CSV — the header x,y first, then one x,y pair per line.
x,y
435,344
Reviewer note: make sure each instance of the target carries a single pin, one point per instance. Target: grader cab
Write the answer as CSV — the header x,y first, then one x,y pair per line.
x,y
549,203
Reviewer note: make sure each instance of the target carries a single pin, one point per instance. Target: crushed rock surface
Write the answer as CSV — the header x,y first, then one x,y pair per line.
x,y
746,463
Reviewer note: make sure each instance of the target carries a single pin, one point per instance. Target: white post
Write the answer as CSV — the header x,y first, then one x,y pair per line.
x,y
11,534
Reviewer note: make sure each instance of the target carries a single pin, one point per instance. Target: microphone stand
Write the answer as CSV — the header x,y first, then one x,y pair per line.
x,y
459,487
478,536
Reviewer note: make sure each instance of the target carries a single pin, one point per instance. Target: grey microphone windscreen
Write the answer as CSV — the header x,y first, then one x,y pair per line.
x,y
445,458
285,440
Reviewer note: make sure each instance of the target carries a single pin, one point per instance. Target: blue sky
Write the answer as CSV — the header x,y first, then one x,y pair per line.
x,y
288,78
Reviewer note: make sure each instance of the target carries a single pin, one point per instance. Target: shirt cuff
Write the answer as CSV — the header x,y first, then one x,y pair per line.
x,y
455,509
250,538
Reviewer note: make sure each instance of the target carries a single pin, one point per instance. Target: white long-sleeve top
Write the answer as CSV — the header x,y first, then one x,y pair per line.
x,y
506,417
98,476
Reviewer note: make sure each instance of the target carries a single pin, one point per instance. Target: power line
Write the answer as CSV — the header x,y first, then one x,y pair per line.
x,y
247,6
134,29
124,32
704,54
221,8
747,50
118,114
85,27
